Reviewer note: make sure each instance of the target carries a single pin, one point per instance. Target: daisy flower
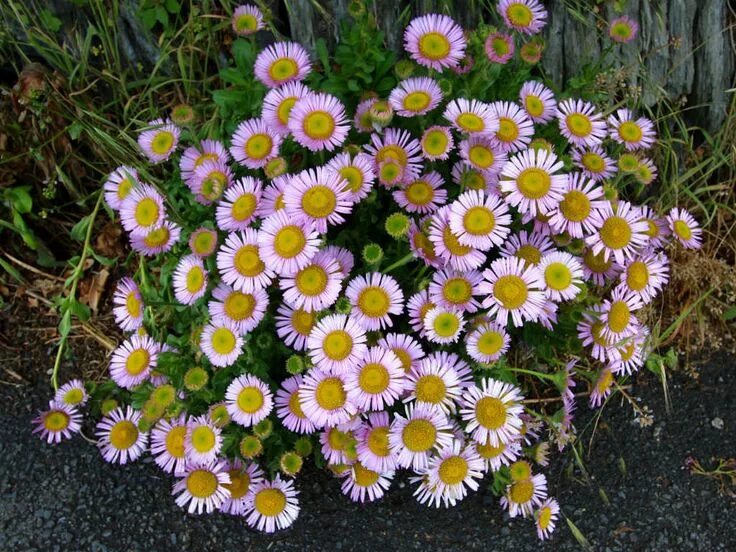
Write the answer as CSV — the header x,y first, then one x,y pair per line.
x,y
580,123
623,29
492,412
243,477
324,398
167,444
406,348
376,381
575,212
487,343
210,180
620,232
658,228
157,241
617,314
356,172
318,122
523,496
293,326
598,269
239,206
645,275
472,117
119,184
646,171
374,297
254,143
190,280
127,305
435,41
248,400
444,324
142,210
634,134
530,181
203,439
423,195
338,442
194,156
529,247
133,360
372,448
546,517
515,128
513,290
336,343
60,421
454,289
632,353
118,437
289,407
499,47
362,120
437,143
415,96
317,196
399,146
201,486
363,484
247,19
342,257
602,388
453,471
159,140
278,103
221,343
417,307
72,393
594,162
414,436
448,247
685,228
422,247
484,154
562,275
538,101
435,384
240,262
281,63
314,287
496,456
272,505
590,333
287,245
526,16
479,221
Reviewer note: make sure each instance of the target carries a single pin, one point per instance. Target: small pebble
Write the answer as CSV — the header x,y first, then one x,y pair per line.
x,y
717,423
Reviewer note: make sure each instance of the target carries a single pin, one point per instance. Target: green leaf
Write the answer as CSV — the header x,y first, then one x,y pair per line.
x,y
65,325
75,130
50,21
582,541
730,314
173,6
148,16
162,15
79,310
79,230
21,199
244,54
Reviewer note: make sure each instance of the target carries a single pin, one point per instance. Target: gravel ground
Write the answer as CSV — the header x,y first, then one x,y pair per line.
x,y
637,497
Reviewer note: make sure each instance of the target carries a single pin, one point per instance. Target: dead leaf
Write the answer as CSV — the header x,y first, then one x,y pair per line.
x,y
91,289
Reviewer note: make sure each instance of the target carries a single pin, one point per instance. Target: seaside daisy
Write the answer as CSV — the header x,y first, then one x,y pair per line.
x,y
397,146
580,123
247,19
513,289
472,117
590,333
189,280
133,360
538,101
72,393
338,442
356,172
254,143
289,406
414,436
293,326
239,205
406,348
318,122
202,440
240,262
617,315
435,41
685,228
575,211
248,400
210,180
287,245
421,246
324,399
646,171
336,343
531,181
480,221
278,103
492,411
515,128
127,305
362,119
484,154
470,178
546,517
243,477
374,297
524,495
376,381
455,469
119,184
159,140
598,269
496,456
526,16
487,343
372,445
633,133
499,47
602,388
448,247
658,228
281,63
623,29
434,384
60,421
363,484
415,96
314,287
194,156
272,505
620,231
562,275
167,444
201,486
221,342
157,241
444,324
594,163
142,210
645,275
118,437
317,196
450,288
632,353
530,247
423,195
437,143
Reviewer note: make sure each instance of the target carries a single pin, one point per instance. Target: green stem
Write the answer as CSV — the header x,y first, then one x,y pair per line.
x,y
75,277
540,375
401,262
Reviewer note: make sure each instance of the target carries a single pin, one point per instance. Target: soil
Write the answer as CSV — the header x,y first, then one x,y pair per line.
x,y
636,496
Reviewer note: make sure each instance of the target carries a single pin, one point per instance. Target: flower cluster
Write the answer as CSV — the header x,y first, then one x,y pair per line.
x,y
395,356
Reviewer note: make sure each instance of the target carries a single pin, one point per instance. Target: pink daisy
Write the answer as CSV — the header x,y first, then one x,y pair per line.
x,y
515,128
244,311
285,244
167,444
623,29
293,326
317,196
248,400
406,348
617,315
580,202
413,437
372,446
562,275
447,245
580,123
434,384
451,288
272,505
437,143
526,16
240,262
377,381
133,360
238,208
487,343
423,195
289,407
472,117
634,134
142,211
318,122
529,247
190,280
127,305
594,162
363,484
314,287
513,289
119,184
281,63
194,156
59,421
243,478
620,232
499,47
435,41
415,96
278,103
399,146
374,297
221,342
159,140
118,437
336,343
538,101
645,275
685,228
202,486
157,241
492,412
357,172
246,20
324,399
255,143
531,181
480,221
484,154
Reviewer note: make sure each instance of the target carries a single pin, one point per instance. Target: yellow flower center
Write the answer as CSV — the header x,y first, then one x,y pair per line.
x,y
354,178
544,516
318,125
453,470
419,192
248,262
490,342
312,280
125,186
250,400
490,412
302,321
682,229
558,276
157,238
362,476
629,131
137,361
596,263
618,317
123,435
284,109
337,345
258,146
521,492
579,125
214,185
319,201
622,30
295,407
56,420
474,180
616,232
175,441
457,291
479,221
330,394
452,244
419,435
283,69
575,206
74,396
204,242
431,389
434,46
289,242
628,162
202,483
246,23
446,324
435,142
373,378
374,302
534,105
239,306
533,183
481,156
270,502
162,142
604,382
394,152
203,438
470,122
508,130
195,279
417,101
529,253
146,212
500,46
488,451
337,439
389,173
223,341
593,162
133,305
519,14
511,291
239,484
378,441
637,276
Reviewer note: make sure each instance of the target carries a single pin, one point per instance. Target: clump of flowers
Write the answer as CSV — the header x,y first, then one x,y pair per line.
x,y
377,284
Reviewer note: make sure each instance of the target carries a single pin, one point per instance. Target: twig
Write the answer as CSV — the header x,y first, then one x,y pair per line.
x,y
32,268
557,399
